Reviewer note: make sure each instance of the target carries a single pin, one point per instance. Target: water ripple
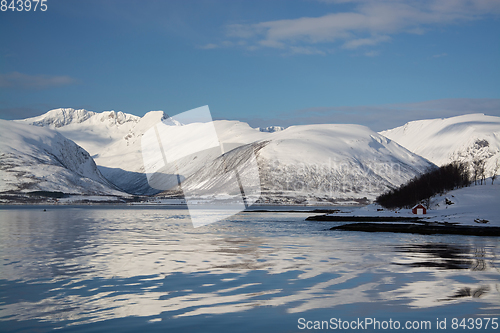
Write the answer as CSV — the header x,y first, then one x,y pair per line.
x,y
76,267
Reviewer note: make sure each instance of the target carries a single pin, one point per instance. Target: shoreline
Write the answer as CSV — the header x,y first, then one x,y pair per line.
x,y
343,218
422,229
404,224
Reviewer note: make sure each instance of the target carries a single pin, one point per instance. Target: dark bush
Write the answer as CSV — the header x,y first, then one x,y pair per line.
x,y
423,187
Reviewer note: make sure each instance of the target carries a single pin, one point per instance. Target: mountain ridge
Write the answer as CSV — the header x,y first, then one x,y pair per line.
x,y
444,140
40,159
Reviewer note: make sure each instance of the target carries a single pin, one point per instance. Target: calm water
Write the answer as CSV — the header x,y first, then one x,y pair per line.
x,y
147,269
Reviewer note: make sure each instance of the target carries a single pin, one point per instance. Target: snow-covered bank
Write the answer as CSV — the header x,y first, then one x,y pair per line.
x,y
477,205
68,199
469,205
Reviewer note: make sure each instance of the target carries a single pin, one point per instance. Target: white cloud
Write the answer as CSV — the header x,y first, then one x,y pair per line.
x,y
440,55
209,46
355,43
272,43
305,50
369,23
25,81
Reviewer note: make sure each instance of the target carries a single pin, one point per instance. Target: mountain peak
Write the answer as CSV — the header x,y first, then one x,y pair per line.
x,y
156,115
61,117
65,116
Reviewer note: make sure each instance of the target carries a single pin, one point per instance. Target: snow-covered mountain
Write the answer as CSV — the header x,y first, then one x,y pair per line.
x,y
461,138
313,163
40,159
297,164
270,129
112,139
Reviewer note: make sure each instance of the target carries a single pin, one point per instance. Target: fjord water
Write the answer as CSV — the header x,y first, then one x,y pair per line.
x,y
147,269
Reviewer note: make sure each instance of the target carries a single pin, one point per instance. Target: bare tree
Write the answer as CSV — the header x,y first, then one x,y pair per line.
x,y
427,202
478,168
495,171
475,169
482,171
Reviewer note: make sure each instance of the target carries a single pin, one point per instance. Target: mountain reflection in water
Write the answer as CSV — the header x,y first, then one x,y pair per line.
x,y
452,257
132,268
445,256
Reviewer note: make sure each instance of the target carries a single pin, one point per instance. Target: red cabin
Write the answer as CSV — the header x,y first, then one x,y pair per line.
x,y
419,209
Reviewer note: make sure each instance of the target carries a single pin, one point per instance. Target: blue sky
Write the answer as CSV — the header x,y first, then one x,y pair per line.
x,y
376,63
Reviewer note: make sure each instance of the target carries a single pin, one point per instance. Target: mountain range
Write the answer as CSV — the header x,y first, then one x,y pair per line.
x,y
307,164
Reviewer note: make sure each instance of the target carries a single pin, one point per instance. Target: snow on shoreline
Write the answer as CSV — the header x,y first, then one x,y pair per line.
x,y
466,206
